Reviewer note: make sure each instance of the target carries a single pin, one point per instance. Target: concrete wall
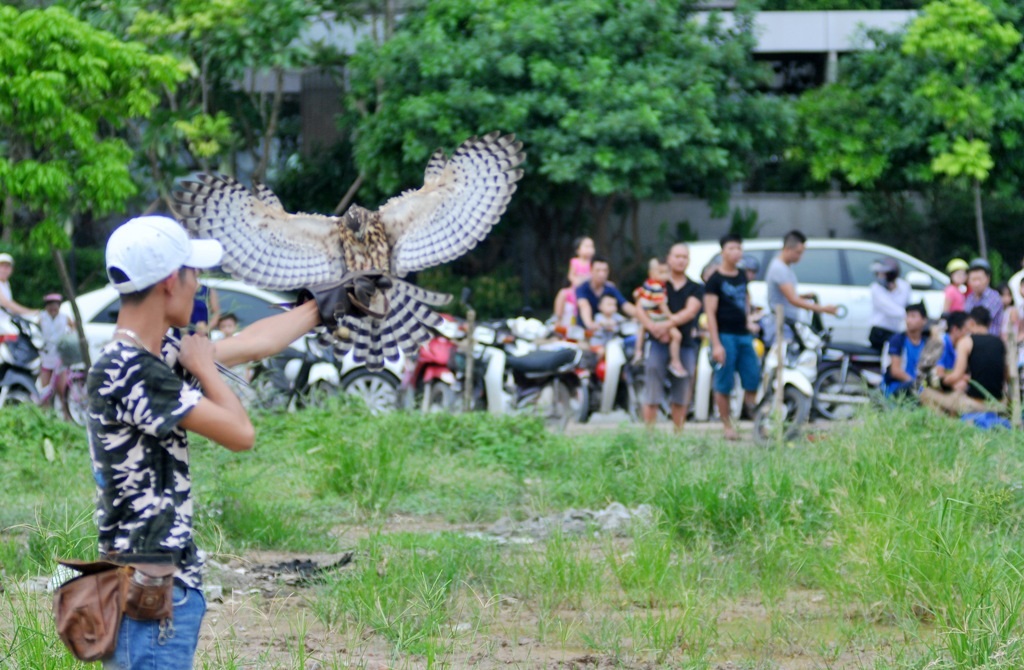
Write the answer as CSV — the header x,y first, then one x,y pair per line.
x,y
819,215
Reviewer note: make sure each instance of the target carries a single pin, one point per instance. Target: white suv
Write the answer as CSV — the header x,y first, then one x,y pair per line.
x,y
839,273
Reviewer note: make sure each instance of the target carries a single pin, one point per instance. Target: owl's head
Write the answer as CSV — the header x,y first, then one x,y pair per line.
x,y
357,220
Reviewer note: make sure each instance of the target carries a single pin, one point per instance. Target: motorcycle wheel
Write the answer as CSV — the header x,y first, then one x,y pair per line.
x,y
269,390
830,382
318,394
554,405
438,397
16,395
377,389
796,409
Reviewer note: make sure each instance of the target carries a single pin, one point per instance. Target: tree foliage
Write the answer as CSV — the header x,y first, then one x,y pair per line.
x,y
936,102
66,91
615,100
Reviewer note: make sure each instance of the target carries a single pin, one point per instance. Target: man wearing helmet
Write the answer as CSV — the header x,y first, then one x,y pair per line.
x,y
980,293
890,295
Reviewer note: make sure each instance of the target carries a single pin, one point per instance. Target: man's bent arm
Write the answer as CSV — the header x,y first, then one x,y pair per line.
x,y
267,336
896,370
963,352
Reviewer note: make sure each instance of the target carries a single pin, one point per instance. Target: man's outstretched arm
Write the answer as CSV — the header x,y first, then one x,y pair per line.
x,y
267,336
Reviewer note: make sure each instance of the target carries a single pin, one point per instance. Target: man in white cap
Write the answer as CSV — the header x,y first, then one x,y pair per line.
x,y
144,395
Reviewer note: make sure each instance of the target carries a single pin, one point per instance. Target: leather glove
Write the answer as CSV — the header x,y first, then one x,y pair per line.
x,y
332,302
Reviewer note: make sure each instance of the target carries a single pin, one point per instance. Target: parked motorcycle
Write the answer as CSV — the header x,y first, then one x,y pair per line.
x,y
19,362
429,385
513,371
294,379
800,357
612,383
848,375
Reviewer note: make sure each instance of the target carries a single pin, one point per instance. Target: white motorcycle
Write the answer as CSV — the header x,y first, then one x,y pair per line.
x,y
801,355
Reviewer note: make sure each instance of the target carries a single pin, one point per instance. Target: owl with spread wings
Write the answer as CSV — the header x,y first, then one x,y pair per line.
x,y
362,255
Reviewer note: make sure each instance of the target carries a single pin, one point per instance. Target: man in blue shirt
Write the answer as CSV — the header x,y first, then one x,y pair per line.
x,y
904,351
590,292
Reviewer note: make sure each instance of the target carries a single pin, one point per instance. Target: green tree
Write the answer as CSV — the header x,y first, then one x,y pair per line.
x,y
66,92
936,106
616,101
218,111
962,41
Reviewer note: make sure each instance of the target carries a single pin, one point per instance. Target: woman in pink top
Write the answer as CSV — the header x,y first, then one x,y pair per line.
x,y
955,292
579,266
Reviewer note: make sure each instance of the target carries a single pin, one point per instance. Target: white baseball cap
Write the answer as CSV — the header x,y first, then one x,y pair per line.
x,y
147,249
7,258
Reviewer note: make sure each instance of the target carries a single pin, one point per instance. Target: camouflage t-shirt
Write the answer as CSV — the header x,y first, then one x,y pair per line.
x,y
140,454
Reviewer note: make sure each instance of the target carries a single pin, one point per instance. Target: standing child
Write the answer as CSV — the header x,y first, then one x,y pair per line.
x,y
955,293
651,298
1009,310
579,265
54,325
565,305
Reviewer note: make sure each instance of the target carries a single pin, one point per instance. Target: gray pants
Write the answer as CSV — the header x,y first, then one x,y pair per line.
x,y
656,372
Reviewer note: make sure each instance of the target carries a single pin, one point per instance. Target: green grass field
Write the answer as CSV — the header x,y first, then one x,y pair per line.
x,y
893,543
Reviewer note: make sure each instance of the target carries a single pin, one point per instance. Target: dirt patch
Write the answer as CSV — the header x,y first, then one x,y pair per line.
x,y
263,617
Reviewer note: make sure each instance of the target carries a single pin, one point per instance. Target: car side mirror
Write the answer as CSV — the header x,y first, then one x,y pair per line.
x,y
919,280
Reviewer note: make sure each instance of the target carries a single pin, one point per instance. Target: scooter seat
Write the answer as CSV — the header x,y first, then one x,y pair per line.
x,y
854,349
542,360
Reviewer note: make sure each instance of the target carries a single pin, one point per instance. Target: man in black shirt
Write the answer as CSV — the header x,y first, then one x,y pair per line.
x,y
684,301
981,363
732,344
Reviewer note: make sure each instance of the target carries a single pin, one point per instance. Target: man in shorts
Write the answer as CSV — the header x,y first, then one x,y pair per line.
x,y
732,344
684,298
147,390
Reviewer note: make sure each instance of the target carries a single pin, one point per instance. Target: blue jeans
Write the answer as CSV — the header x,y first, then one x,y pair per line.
x,y
142,646
739,357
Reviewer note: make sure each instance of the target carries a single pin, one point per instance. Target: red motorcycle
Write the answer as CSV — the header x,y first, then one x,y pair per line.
x,y
429,383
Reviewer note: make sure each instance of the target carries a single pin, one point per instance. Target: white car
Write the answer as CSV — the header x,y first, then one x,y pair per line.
x,y
99,310
838,271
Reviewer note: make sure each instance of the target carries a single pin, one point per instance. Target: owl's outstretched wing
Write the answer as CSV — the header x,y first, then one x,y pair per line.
x,y
263,244
460,201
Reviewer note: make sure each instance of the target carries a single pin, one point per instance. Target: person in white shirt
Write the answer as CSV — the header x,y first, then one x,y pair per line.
x,y
54,326
890,295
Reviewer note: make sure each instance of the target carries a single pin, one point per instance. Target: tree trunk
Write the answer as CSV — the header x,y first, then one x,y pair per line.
x,y
260,173
979,221
69,289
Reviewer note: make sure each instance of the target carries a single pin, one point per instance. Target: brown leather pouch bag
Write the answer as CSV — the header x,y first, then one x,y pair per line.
x,y
150,593
88,608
